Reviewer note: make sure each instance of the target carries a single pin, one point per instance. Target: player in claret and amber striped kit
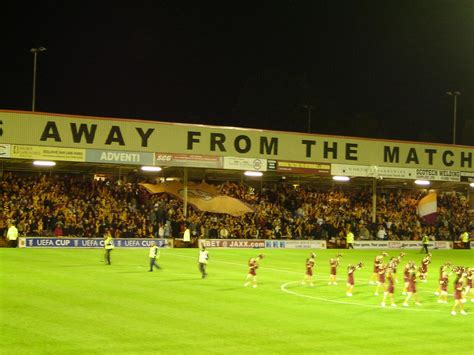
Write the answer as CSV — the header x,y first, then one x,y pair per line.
x,y
412,277
424,267
334,263
390,279
443,284
468,290
381,282
393,264
377,262
308,277
252,274
409,267
350,277
458,288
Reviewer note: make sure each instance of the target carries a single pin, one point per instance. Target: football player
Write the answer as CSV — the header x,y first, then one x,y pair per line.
x,y
252,274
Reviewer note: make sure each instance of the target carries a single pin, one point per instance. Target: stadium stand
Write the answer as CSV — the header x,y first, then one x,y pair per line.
x,y
77,205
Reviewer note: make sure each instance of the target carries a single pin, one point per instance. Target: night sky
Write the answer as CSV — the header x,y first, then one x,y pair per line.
x,y
376,69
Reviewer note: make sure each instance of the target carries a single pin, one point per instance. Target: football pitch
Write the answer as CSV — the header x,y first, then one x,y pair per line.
x,y
62,301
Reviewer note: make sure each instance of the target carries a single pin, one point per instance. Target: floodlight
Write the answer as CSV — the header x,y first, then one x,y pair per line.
x,y
151,168
341,178
44,163
253,173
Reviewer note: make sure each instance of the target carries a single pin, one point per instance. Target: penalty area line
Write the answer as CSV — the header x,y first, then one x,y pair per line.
x,y
284,288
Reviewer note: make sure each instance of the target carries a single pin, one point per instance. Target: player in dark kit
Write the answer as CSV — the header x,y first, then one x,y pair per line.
x,y
334,263
308,277
252,275
350,277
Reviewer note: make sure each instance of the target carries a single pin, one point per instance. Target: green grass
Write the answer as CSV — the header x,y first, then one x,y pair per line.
x,y
57,301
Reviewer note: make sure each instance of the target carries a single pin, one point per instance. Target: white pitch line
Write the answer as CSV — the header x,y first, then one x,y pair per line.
x,y
284,289
243,265
302,273
274,269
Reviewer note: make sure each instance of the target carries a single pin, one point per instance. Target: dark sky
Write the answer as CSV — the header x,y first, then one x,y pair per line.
x,y
369,68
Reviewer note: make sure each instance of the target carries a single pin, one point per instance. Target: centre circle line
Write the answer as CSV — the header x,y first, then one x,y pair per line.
x,y
283,287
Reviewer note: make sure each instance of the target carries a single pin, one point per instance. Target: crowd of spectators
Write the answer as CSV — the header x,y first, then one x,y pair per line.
x,y
78,205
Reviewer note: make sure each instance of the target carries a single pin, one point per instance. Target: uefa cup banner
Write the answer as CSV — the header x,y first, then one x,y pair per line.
x,y
295,244
45,242
233,243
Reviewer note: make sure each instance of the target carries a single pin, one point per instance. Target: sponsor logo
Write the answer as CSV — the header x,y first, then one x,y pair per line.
x,y
163,157
295,244
395,245
120,157
234,243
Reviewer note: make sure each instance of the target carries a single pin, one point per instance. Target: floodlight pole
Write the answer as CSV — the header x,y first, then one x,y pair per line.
x,y
455,95
185,193
374,200
35,52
